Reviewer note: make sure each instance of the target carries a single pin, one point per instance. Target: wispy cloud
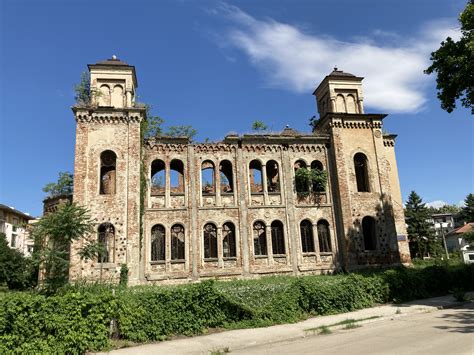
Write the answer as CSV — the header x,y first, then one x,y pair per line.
x,y
298,61
436,204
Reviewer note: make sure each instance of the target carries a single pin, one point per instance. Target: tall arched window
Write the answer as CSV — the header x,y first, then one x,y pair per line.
x,y
177,242
307,239
229,249
317,166
255,176
369,232
273,178
158,177
117,96
278,238
210,241
340,103
106,239
208,181
227,179
177,177
158,250
324,236
259,239
301,184
362,172
104,97
351,104
108,162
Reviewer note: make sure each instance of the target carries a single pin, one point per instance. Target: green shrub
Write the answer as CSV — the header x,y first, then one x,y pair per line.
x,y
78,317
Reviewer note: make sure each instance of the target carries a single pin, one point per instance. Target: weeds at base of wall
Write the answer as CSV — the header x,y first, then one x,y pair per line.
x,y
77,318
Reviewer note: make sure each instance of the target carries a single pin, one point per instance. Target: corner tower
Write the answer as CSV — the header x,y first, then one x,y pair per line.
x,y
107,170
368,204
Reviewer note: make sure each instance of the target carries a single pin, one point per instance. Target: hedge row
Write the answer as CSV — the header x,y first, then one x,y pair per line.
x,y
79,318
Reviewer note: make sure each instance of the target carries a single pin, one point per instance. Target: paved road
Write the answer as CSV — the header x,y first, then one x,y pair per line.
x,y
449,331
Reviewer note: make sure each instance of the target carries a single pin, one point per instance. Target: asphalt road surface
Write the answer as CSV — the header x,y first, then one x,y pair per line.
x,y
448,331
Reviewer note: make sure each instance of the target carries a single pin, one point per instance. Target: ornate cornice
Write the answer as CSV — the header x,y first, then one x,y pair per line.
x,y
261,148
306,148
355,124
165,148
108,117
214,148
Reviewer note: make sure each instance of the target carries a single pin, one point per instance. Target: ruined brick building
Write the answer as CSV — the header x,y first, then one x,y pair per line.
x,y
175,210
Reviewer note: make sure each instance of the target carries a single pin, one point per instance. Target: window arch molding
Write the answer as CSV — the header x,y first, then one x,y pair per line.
x,y
210,240
307,236
107,172
361,166
229,240
256,183
208,172
324,235
278,237
158,242
369,233
226,174
106,237
259,237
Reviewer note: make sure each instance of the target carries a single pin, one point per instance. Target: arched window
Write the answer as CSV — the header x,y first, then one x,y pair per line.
x,y
369,232
278,238
227,179
307,239
228,241
177,242
158,178
108,162
273,178
340,103
351,104
210,241
158,243
106,239
177,177
255,176
117,96
208,181
324,236
301,183
316,165
362,173
259,239
104,97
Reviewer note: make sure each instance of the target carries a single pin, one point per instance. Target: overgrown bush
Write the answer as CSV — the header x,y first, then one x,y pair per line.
x,y
78,317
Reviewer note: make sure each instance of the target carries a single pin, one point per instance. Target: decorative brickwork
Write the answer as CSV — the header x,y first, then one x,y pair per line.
x,y
230,209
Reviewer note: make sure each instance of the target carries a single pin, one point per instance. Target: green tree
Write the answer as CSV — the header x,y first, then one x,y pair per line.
x,y
467,212
16,270
454,64
259,126
84,93
53,235
181,131
94,250
153,123
64,185
419,230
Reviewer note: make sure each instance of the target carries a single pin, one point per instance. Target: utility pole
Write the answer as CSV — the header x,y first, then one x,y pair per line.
x,y
444,239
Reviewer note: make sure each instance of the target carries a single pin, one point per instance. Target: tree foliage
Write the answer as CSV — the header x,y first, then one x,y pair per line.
x,y
64,185
181,131
16,270
259,126
84,93
53,235
307,180
422,240
454,64
467,212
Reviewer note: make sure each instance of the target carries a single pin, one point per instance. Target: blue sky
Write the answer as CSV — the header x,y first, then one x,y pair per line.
x,y
221,65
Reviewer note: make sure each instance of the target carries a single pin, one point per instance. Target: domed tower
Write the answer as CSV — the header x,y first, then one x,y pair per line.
x,y
107,170
368,203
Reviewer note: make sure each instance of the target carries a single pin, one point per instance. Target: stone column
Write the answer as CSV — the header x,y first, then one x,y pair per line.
x,y
217,180
316,242
265,187
240,185
219,247
167,184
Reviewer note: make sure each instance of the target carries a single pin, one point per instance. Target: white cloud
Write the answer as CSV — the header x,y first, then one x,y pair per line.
x,y
297,61
436,204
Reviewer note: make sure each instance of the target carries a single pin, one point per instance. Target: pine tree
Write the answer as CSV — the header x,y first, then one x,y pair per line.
x,y
467,211
422,240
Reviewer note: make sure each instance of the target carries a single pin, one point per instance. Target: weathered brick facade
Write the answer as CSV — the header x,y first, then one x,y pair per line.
x,y
232,209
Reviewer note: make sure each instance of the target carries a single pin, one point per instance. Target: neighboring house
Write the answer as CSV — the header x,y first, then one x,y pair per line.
x,y
174,210
14,224
445,222
455,240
